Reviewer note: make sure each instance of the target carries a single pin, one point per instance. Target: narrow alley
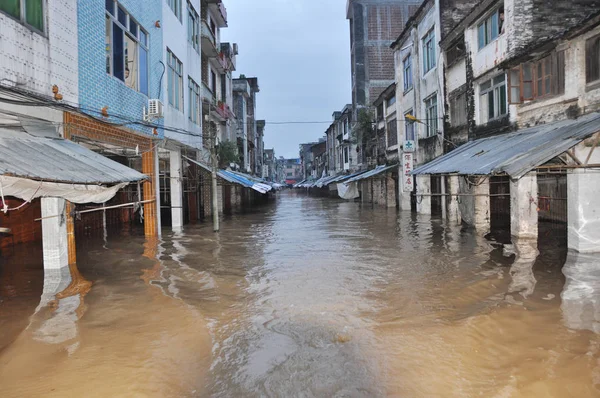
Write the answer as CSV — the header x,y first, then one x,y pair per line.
x,y
306,297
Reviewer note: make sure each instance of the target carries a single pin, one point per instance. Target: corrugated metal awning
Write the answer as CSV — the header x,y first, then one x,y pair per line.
x,y
58,160
516,153
233,178
371,173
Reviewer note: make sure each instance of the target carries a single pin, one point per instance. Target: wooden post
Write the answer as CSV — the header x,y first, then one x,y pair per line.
x,y
150,220
71,243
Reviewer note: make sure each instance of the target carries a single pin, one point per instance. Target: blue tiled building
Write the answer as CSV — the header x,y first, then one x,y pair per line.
x,y
120,54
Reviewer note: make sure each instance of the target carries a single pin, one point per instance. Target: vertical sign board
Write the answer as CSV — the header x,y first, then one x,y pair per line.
x,y
407,168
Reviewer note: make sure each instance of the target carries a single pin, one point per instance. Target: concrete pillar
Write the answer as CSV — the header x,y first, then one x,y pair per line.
x,y
583,202
54,233
176,186
523,207
390,190
580,298
453,211
424,188
481,192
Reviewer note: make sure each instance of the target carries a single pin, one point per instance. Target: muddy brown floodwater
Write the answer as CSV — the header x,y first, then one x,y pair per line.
x,y
304,298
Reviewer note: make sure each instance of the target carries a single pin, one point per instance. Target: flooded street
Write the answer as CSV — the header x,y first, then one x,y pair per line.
x,y
305,298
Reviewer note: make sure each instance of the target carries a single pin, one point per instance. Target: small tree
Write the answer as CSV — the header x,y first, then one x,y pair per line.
x,y
228,153
363,131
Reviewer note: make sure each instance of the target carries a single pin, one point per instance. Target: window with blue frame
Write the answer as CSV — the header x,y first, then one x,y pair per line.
x,y
490,28
175,81
193,28
126,48
175,5
407,72
29,12
429,59
194,95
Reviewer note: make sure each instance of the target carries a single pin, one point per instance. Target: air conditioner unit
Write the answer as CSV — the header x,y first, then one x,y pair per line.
x,y
155,110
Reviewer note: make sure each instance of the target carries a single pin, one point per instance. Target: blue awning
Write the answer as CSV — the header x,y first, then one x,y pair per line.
x,y
234,177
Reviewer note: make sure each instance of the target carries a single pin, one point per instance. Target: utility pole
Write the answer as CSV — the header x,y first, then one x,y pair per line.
x,y
215,165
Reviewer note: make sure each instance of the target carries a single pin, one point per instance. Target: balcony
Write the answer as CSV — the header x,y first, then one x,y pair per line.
x,y
218,10
209,41
224,111
207,95
220,63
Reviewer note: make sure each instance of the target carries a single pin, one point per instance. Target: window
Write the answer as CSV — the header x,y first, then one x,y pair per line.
x,y
194,94
392,133
592,59
175,80
458,110
456,51
213,84
538,79
126,48
391,101
176,7
431,115
429,51
407,72
492,94
409,127
29,12
490,28
380,112
346,155
193,28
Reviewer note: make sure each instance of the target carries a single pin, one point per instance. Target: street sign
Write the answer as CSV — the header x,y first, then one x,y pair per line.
x,y
409,146
407,168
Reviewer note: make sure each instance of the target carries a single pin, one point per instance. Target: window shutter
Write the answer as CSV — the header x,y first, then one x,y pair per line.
x,y
514,84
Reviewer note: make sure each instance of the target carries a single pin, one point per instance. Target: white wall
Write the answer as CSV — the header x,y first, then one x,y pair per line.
x,y
175,38
36,62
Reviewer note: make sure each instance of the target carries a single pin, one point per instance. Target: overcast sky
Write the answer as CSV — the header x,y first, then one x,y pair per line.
x,y
300,52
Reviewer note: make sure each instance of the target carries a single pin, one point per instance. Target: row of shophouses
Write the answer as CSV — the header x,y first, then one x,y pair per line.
x,y
110,114
493,120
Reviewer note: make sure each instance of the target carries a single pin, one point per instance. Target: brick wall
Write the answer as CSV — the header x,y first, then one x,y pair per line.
x,y
97,89
21,222
380,63
375,24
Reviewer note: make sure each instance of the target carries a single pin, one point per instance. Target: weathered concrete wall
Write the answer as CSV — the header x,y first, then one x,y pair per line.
x,y
583,211
523,207
578,97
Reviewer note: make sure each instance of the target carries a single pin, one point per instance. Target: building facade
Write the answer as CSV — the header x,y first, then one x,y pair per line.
x,y
419,89
374,25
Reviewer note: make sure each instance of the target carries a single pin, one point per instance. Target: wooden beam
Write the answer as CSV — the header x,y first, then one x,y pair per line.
x,y
573,156
596,143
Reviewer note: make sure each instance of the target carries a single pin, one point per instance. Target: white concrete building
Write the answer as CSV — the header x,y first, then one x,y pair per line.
x,y
183,107
38,53
419,95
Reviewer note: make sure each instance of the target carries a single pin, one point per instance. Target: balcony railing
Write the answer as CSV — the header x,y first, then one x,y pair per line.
x,y
224,110
209,41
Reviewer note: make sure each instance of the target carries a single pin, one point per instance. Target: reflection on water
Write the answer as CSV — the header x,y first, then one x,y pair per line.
x,y
307,297
581,295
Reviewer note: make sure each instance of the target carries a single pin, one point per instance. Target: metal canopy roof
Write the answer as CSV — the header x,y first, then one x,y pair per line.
x,y
371,173
234,178
516,153
58,160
